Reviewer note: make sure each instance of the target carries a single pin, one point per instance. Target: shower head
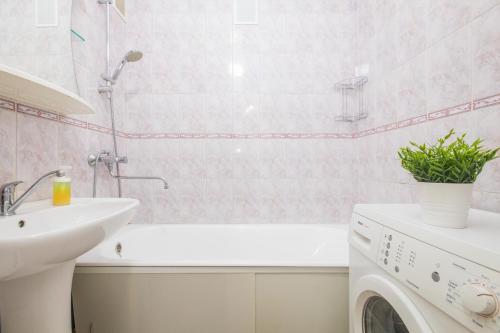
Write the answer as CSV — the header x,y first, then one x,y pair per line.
x,y
131,56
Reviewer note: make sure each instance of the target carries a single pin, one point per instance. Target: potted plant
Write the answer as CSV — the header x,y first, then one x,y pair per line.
x,y
446,173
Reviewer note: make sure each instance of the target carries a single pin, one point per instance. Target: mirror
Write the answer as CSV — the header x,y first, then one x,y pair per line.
x,y
36,38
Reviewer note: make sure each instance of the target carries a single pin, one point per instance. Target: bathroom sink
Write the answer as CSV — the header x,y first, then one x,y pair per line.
x,y
38,249
41,235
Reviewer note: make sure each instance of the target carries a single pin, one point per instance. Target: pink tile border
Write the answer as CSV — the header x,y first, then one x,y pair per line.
x,y
73,122
296,136
486,102
100,129
31,111
449,111
9,105
412,121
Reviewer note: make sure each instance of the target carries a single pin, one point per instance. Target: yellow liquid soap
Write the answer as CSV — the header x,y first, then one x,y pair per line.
x,y
62,193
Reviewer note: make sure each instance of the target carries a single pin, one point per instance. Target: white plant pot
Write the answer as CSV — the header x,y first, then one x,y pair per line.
x,y
445,205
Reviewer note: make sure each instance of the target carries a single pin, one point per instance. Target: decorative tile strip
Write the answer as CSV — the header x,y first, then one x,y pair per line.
x,y
412,121
340,136
220,136
449,111
31,111
73,122
387,127
7,105
363,133
194,136
489,101
486,102
121,134
98,128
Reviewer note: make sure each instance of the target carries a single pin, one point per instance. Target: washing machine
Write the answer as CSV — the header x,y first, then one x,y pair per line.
x,y
406,276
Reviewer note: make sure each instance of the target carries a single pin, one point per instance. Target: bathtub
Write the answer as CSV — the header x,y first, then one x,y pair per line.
x,y
215,278
223,246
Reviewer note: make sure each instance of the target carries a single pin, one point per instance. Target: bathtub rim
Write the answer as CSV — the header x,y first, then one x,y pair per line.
x,y
99,261
210,270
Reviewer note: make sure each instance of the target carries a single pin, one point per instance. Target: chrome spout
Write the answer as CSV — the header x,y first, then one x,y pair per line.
x,y
163,180
8,205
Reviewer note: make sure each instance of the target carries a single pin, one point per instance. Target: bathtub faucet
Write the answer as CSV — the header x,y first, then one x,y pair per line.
x,y
165,184
110,161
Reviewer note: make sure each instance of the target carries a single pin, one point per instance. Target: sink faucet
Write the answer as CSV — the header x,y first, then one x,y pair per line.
x,y
8,205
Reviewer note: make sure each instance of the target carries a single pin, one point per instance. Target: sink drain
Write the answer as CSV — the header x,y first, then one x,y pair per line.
x,y
21,224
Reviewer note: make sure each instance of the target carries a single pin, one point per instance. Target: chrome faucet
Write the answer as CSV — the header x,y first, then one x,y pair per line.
x,y
8,205
163,180
110,161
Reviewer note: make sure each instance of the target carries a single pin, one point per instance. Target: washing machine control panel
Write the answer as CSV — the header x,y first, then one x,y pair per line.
x,y
468,292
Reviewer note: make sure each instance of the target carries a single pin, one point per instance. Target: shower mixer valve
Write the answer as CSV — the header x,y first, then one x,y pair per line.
x,y
107,158
111,160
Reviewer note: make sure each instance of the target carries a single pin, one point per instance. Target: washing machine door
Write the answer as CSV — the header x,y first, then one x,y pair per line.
x,y
382,307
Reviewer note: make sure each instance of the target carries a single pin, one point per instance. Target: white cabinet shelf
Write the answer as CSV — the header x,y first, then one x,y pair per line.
x,y
33,91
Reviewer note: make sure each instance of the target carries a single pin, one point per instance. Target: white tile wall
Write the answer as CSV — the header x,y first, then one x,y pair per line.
x,y
202,74
43,52
448,55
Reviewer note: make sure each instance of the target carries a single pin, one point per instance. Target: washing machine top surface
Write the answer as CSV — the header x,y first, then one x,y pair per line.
x,y
479,242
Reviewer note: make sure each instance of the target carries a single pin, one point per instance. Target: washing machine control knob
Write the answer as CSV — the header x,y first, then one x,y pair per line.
x,y
479,299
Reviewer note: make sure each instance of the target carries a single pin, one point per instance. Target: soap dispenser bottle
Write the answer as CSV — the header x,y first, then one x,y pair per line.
x,y
62,188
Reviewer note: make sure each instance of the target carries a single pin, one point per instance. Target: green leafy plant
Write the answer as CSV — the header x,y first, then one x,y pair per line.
x,y
456,162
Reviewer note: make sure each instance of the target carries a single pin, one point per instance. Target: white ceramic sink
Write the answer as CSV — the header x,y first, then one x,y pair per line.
x,y
38,248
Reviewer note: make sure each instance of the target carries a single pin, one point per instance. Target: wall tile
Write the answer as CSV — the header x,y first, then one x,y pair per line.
x,y
219,200
487,129
219,159
434,72
37,147
165,110
411,88
412,29
192,161
219,113
210,76
486,200
192,201
73,151
272,159
272,199
245,159
143,191
447,16
7,146
202,74
486,54
449,71
165,158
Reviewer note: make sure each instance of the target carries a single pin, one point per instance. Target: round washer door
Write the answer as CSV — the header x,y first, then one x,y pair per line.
x,y
381,307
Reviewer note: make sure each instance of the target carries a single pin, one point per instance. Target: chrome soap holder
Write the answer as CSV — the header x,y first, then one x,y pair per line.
x,y
352,101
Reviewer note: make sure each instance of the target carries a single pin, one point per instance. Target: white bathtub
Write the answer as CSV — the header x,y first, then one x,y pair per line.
x,y
223,246
224,278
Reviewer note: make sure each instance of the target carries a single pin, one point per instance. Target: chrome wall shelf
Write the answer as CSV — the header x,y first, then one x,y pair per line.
x,y
352,99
